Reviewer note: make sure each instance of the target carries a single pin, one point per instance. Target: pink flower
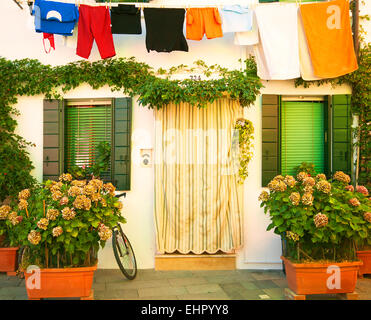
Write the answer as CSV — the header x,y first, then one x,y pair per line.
x,y
349,188
354,202
363,190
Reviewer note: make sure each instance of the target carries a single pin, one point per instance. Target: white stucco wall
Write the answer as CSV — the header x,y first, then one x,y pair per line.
x,y
18,40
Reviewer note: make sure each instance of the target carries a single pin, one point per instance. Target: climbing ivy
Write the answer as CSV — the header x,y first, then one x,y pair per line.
x,y
153,88
245,131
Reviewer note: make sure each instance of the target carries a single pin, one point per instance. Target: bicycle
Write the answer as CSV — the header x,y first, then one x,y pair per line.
x,y
123,250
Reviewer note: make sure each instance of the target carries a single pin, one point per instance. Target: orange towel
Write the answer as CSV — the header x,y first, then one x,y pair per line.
x,y
201,21
328,32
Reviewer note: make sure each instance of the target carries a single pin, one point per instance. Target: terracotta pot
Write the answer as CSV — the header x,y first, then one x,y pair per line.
x,y
8,259
365,256
312,278
60,283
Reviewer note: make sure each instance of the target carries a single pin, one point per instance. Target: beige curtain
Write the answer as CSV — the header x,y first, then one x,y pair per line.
x,y
197,197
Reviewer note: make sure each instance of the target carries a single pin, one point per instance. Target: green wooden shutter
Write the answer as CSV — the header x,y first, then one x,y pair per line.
x,y
53,139
85,127
122,143
341,134
270,137
303,135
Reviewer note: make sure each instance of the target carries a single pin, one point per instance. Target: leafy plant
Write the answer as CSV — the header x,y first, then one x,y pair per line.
x,y
318,219
245,130
306,167
64,223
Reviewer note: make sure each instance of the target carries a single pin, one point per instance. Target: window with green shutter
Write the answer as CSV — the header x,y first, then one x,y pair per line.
x,y
85,127
302,135
310,131
74,128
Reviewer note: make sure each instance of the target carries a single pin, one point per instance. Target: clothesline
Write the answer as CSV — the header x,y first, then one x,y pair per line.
x,y
166,4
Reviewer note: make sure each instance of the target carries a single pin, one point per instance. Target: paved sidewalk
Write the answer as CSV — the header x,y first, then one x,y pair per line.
x,y
184,285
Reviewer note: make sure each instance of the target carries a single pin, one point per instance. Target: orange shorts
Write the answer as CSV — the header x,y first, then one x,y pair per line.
x,y
201,21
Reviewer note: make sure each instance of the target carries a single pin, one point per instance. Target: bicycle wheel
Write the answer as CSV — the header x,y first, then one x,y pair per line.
x,y
124,254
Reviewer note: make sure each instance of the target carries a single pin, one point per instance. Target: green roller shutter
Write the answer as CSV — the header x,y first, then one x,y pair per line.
x,y
341,134
122,143
52,139
270,137
85,127
302,135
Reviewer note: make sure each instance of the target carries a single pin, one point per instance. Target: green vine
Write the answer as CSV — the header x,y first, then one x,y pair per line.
x,y
154,89
245,136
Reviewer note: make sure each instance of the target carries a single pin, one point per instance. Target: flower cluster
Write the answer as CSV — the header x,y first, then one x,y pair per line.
x,y
34,237
342,177
104,232
68,213
24,194
323,186
320,220
367,216
363,190
4,211
82,202
52,214
290,181
307,199
57,231
277,185
302,175
295,198
354,202
43,223
264,196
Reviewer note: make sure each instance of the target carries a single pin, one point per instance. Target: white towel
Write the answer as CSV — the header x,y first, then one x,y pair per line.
x,y
248,38
278,31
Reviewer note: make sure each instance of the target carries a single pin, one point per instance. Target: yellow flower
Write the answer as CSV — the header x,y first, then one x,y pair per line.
x,y
307,199
301,175
320,220
277,185
108,187
264,196
34,237
24,194
89,190
23,204
52,214
96,183
4,211
65,177
290,181
323,186
13,218
309,181
43,223
68,213
82,202
78,183
295,198
74,191
57,231
104,232
342,177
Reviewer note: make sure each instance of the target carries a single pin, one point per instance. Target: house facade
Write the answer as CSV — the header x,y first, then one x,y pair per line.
x,y
274,117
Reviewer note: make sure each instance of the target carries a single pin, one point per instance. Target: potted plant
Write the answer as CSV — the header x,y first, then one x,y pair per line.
x,y
63,226
8,247
363,245
321,222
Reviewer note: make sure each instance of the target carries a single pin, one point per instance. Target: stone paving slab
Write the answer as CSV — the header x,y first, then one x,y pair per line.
x,y
184,285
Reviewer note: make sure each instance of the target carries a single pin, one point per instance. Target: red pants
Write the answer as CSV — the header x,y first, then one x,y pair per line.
x,y
94,23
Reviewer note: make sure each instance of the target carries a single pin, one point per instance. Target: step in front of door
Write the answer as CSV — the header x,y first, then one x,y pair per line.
x,y
195,262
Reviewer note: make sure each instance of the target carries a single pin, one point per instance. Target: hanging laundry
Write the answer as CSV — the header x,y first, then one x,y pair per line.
x,y
328,32
95,23
201,21
55,17
164,29
278,32
248,38
125,19
50,38
306,66
236,18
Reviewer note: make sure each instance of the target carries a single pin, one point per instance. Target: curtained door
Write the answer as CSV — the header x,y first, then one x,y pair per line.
x,y
197,201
